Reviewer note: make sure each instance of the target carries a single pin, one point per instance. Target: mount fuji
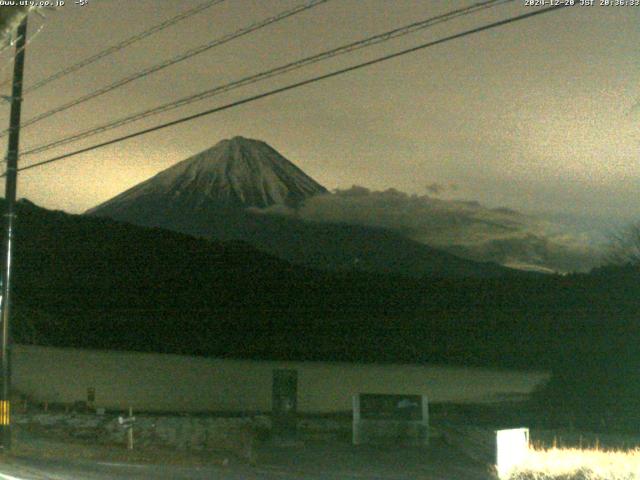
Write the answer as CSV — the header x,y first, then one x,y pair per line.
x,y
235,173
219,194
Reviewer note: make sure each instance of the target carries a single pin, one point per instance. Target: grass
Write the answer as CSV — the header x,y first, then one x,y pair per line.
x,y
578,464
545,439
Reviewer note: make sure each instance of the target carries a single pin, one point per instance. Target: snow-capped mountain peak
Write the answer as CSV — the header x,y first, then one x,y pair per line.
x,y
239,172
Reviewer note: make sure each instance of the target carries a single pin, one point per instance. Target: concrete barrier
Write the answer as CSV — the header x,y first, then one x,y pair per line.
x,y
174,383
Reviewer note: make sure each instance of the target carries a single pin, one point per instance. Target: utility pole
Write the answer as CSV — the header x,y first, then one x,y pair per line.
x,y
10,201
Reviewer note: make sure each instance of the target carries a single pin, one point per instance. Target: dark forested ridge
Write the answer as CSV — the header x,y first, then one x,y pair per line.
x,y
96,283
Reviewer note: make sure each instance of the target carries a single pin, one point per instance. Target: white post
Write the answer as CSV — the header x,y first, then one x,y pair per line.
x,y
130,431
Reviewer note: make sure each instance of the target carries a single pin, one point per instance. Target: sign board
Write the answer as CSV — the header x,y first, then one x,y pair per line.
x,y
390,418
391,407
126,422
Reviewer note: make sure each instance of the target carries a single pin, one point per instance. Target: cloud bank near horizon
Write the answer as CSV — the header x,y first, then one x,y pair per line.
x,y
465,228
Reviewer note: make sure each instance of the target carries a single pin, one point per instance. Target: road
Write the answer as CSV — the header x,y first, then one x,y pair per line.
x,y
312,461
58,470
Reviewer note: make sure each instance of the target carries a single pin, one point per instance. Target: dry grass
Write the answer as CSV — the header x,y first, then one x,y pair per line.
x,y
578,464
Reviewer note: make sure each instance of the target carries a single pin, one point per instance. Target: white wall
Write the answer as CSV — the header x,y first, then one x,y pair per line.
x,y
159,382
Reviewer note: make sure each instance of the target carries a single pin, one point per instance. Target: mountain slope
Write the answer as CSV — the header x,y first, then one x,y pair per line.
x,y
219,193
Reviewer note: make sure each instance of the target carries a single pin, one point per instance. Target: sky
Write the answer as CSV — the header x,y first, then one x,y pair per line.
x,y
539,115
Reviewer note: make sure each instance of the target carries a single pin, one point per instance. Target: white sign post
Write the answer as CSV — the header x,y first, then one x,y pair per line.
x,y
127,423
512,446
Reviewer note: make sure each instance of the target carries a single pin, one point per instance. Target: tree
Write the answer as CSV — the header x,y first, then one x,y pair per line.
x,y
10,18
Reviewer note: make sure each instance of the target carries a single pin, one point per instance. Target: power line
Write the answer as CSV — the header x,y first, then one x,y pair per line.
x,y
121,45
367,42
172,61
297,85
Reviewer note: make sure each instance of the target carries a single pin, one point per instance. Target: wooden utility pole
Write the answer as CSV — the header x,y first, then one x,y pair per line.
x,y
10,201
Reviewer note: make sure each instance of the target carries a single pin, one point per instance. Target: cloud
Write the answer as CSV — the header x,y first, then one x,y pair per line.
x,y
466,228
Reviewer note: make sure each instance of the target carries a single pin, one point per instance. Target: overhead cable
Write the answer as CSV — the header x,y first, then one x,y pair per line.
x,y
172,61
298,85
367,42
121,45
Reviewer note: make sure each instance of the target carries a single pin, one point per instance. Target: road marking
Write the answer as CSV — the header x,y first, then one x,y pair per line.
x,y
113,464
10,477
